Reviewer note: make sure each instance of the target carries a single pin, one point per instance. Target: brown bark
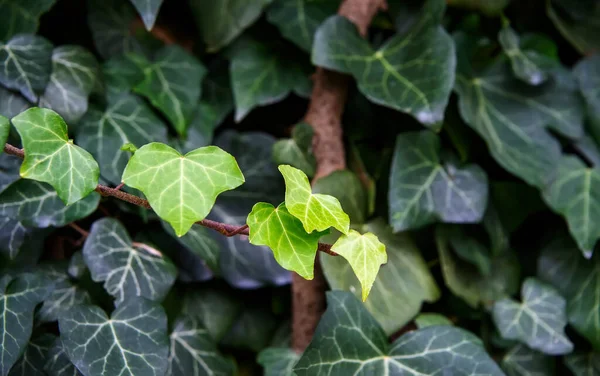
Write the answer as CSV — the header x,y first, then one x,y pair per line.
x,y
324,115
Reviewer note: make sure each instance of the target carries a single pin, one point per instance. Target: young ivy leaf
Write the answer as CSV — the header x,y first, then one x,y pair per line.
x,y
315,211
182,188
52,158
365,253
293,248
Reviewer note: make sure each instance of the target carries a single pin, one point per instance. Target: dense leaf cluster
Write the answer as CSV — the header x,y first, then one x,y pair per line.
x,y
460,239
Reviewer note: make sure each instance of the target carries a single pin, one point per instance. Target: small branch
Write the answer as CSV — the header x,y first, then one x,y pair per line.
x,y
121,185
223,228
147,248
83,233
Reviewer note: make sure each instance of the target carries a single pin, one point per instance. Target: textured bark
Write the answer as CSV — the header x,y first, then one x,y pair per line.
x,y
324,115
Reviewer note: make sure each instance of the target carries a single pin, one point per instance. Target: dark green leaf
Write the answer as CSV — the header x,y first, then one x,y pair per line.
x,y
539,320
522,361
18,298
77,266
582,364
523,63
348,340
148,9
470,250
58,362
412,72
577,22
347,188
487,7
431,319
199,241
587,72
423,189
132,342
25,64
278,361
36,204
194,352
127,269
122,72
11,104
252,330
296,151
12,236
4,129
33,359
21,16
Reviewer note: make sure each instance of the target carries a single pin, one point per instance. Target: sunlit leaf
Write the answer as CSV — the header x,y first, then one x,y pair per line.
x,y
348,189
58,362
32,362
25,64
522,62
315,211
127,270
278,361
412,72
293,248
132,342
538,321
187,185
51,157
148,9
349,341
424,189
19,16
523,361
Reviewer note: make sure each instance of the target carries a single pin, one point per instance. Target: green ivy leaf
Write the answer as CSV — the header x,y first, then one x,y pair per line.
x,y
18,17
538,321
297,151
96,343
252,330
401,286
574,193
192,348
148,9
221,22
189,184
523,63
11,104
578,280
32,362
36,204
523,361
4,129
582,364
424,190
18,298
470,250
52,158
25,64
172,83
365,253
12,236
261,75
347,188
315,211
127,270
298,20
58,362
361,346
293,248
75,72
577,22
278,361
199,242
587,72
392,75
425,320
493,102
127,119
121,73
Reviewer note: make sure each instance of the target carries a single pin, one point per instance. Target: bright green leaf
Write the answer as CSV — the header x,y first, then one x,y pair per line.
x,y
293,248
582,364
36,204
365,253
25,64
21,16
587,72
423,189
187,185
32,362
75,71
192,348
347,188
431,319
412,72
349,341
127,270
401,286
523,361
132,342
18,298
127,119
522,62
298,20
58,362
538,321
315,211
172,83
148,9
278,361
51,157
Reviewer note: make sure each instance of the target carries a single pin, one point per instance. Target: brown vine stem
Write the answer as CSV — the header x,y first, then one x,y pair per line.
x,y
223,228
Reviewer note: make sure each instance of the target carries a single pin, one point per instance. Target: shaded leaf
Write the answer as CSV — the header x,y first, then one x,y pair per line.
x,y
194,352
316,211
470,250
278,361
522,62
297,151
58,362
431,319
12,236
580,27
587,72
582,364
36,204
11,104
51,157
252,330
127,119
423,189
18,16
148,9
412,72
487,7
348,340
4,129
538,321
122,72
189,184
77,266
127,270
33,359
172,84
25,64
522,361
347,188
133,341
199,242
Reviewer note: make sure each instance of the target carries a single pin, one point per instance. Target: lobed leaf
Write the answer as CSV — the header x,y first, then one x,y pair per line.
x,y
523,361
32,362
58,362
348,189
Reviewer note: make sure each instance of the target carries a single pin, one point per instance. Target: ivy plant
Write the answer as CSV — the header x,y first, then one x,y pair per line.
x,y
162,186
